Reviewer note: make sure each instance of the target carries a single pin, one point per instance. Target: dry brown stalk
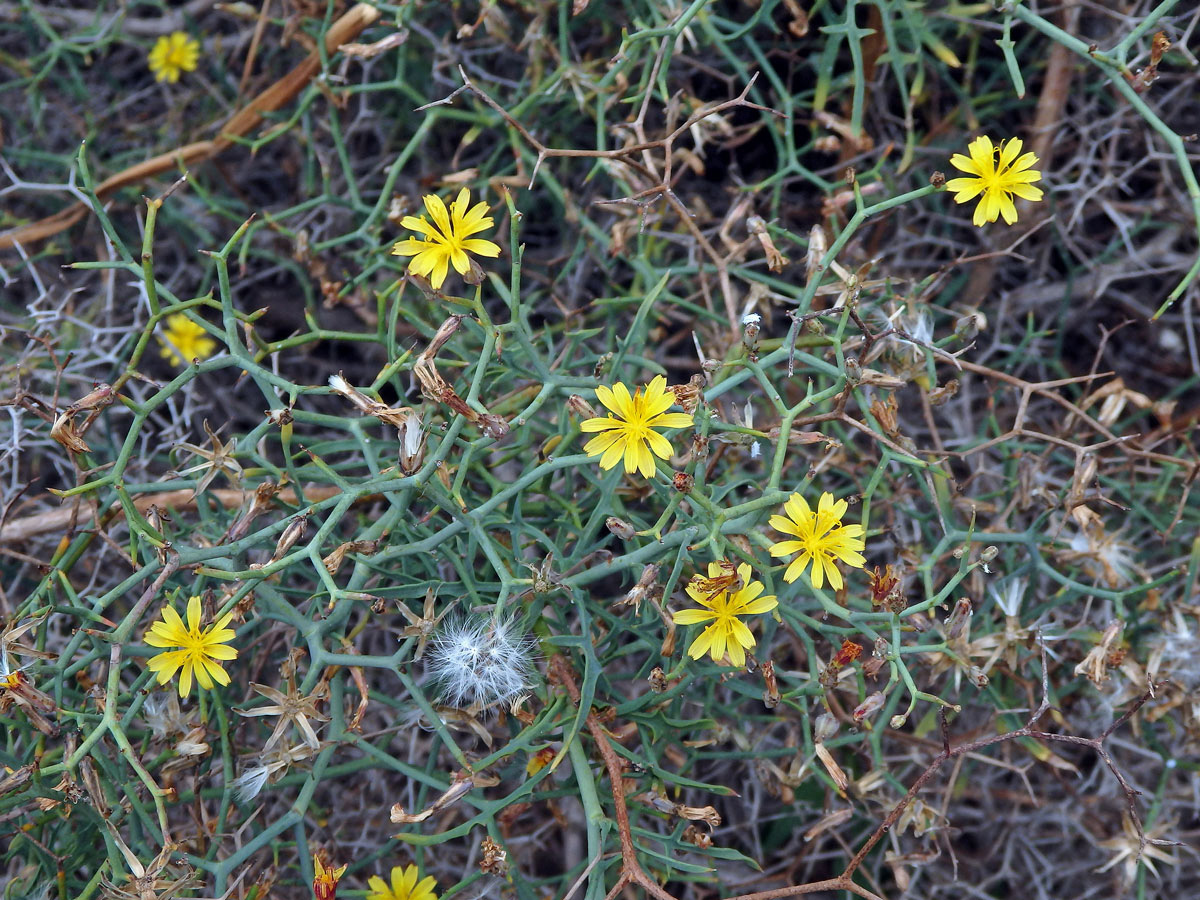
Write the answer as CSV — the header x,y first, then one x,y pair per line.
x,y
631,870
845,881
56,519
344,30
647,167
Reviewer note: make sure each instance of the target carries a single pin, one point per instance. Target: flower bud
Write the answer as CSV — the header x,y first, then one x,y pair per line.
x,y
871,705
620,528
577,406
826,727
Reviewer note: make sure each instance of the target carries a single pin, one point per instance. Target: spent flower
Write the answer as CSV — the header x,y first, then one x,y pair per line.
x,y
820,537
631,434
172,55
446,241
722,608
325,879
404,885
998,173
200,650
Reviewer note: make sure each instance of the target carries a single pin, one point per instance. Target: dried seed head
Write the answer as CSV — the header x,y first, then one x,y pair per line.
x,y
479,662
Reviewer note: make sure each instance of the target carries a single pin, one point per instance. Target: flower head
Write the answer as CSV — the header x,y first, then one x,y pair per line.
x,y
997,179
448,240
199,649
631,433
325,881
822,538
173,54
727,633
480,662
185,341
404,886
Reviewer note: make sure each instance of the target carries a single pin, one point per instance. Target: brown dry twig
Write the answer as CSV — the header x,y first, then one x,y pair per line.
x,y
661,172
345,29
845,881
631,870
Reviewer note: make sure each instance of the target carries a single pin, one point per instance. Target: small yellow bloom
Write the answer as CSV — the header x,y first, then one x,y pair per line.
x,y
631,434
404,886
199,650
448,240
822,539
727,633
172,55
325,881
998,180
185,341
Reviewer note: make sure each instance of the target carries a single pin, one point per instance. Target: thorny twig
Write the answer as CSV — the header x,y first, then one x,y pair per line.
x,y
664,188
845,881
631,869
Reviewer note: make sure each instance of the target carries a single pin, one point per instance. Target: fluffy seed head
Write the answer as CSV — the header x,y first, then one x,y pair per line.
x,y
478,662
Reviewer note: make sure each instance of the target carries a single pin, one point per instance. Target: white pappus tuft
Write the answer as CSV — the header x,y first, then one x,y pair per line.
x,y
479,662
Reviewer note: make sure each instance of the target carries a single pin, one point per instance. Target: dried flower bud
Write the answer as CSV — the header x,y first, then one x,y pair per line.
x,y
683,482
620,528
826,727
958,618
493,858
689,395
658,680
818,244
968,326
871,705
850,175
601,366
771,685
475,273
940,396
937,179
412,444
699,447
977,676
577,406
646,588
697,836
989,553
886,590
295,530
750,332
847,653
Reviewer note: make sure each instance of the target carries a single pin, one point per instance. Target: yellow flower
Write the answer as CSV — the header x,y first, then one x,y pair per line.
x,y
325,881
404,886
998,180
822,538
185,341
172,55
199,650
448,239
727,633
632,433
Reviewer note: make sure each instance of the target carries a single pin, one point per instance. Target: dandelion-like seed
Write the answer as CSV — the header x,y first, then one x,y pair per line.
x,y
479,662
821,538
998,173
631,433
172,55
184,341
448,240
